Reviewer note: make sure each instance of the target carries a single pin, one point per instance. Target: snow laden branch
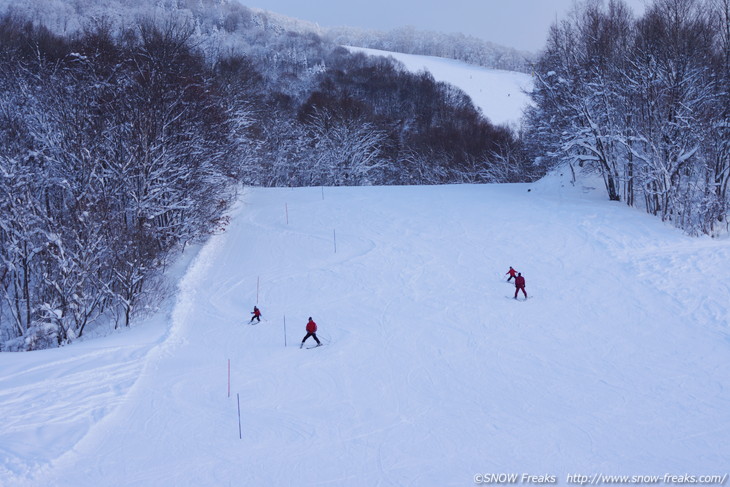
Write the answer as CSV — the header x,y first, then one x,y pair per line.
x,y
345,150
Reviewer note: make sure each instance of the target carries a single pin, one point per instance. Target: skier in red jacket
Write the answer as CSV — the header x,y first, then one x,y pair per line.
x,y
311,332
256,315
520,284
512,273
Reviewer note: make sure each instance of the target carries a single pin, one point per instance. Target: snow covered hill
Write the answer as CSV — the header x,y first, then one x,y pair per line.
x,y
431,373
500,95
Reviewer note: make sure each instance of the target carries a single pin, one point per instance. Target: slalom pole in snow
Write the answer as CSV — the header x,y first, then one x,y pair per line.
x,y
334,238
258,279
284,330
286,210
238,399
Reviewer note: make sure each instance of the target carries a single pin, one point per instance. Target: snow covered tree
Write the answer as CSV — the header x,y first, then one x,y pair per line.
x,y
112,155
578,110
718,143
640,101
672,91
345,150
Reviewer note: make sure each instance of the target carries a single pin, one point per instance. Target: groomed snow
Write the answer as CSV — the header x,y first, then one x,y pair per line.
x,y
431,374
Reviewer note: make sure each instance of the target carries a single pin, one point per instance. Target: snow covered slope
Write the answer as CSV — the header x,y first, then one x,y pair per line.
x,y
431,374
500,95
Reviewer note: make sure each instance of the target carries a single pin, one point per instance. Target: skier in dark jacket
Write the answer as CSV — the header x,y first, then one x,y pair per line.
x,y
520,285
256,315
512,273
311,332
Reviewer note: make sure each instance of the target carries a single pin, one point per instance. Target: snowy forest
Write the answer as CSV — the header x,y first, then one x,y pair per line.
x,y
645,102
126,130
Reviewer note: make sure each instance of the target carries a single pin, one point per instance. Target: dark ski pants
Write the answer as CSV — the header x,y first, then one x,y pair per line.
x,y
517,289
257,318
313,335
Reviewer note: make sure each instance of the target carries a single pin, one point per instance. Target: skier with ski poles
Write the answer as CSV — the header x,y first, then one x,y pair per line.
x,y
256,315
520,285
311,332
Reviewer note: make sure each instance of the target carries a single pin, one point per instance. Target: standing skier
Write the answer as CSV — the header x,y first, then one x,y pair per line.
x,y
520,285
512,273
311,332
256,315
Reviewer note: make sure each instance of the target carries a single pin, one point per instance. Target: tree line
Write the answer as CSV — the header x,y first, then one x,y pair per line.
x,y
644,102
461,47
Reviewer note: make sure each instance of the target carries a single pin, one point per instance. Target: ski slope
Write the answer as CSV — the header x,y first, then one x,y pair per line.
x,y
431,372
500,95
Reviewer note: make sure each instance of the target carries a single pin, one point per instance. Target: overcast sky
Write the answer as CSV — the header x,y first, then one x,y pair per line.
x,y
522,24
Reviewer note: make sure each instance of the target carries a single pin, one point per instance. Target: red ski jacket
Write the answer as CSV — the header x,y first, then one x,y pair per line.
x,y
256,312
311,326
511,272
519,281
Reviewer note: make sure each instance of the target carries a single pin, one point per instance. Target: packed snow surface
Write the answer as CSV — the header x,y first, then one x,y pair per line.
x,y
500,95
431,373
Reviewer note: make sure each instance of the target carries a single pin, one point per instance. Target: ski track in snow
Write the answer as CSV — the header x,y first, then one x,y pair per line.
x,y
429,376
